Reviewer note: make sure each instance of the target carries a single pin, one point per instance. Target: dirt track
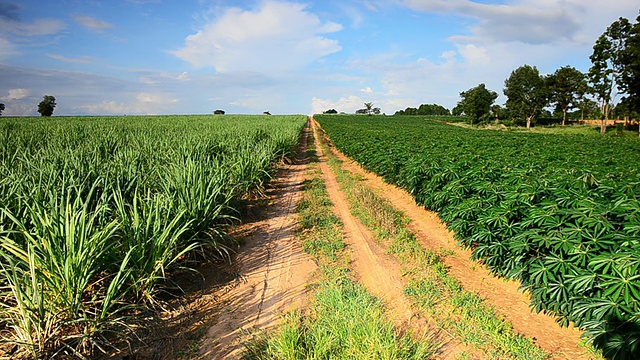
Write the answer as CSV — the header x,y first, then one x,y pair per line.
x,y
272,272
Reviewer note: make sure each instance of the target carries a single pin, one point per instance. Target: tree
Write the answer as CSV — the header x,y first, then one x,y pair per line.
x,y
607,68
330,111
498,112
46,106
564,87
476,102
630,59
433,109
368,107
457,110
1,108
219,112
526,93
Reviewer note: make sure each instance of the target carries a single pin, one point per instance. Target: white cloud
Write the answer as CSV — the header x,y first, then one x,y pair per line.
x,y
278,37
368,89
92,23
155,98
348,104
16,94
474,54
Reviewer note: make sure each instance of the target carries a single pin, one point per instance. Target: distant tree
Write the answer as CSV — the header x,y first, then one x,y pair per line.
x,y
457,110
588,108
376,110
361,111
623,110
330,111
526,93
1,108
219,112
266,113
476,102
369,108
433,109
425,109
411,111
46,106
607,66
564,87
498,112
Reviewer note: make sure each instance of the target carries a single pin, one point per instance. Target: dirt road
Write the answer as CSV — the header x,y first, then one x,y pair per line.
x,y
272,271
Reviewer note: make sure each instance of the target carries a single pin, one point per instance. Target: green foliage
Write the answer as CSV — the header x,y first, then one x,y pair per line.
x,y
630,59
47,105
566,86
607,65
526,93
97,213
476,102
425,109
565,223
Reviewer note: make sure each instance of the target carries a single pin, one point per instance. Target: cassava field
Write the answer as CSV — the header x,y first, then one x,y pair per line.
x,y
419,235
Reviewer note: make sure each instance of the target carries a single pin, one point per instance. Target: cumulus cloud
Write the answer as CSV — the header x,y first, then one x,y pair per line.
x,y
16,94
474,54
277,37
92,23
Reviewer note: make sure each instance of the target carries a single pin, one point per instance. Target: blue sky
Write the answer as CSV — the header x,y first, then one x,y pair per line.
x,y
288,57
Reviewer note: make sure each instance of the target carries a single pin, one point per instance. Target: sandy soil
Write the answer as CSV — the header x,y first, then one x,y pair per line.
x,y
562,343
272,272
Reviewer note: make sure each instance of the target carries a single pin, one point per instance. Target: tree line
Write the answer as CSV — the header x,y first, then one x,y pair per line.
x,y
615,71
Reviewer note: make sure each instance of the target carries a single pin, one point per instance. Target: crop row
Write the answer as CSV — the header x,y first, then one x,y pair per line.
x,y
560,213
96,213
